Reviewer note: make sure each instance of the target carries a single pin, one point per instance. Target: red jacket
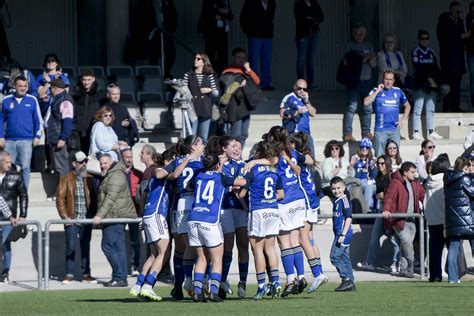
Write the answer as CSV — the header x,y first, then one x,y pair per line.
x,y
134,177
396,199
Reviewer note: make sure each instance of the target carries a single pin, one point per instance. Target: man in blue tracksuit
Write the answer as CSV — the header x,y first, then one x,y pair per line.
x,y
20,126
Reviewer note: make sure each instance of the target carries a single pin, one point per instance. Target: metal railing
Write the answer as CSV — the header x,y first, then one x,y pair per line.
x,y
39,245
46,236
421,231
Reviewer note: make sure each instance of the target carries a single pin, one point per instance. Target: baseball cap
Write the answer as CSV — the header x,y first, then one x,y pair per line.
x,y
80,157
58,83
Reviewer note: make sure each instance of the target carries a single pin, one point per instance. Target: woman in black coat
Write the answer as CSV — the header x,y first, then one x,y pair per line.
x,y
459,224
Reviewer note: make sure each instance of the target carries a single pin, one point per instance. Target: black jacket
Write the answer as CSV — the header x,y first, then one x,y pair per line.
x,y
255,20
458,195
210,9
307,18
451,46
86,104
13,188
127,134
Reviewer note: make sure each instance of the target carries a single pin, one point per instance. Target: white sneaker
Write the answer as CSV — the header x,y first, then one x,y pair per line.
x,y
394,268
134,272
318,282
226,287
135,291
365,266
417,136
434,136
189,286
149,293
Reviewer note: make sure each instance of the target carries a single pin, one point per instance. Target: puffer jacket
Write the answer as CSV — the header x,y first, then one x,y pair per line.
x,y
115,200
396,199
12,187
458,196
434,199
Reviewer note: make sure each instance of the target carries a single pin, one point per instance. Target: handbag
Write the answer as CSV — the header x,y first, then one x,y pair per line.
x,y
17,233
215,112
93,165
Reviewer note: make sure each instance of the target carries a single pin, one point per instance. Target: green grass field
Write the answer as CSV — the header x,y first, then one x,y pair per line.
x,y
380,298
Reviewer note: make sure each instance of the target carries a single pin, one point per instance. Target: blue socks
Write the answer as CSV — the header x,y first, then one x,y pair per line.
x,y
299,261
198,278
275,276
261,279
226,262
215,282
140,280
316,267
288,260
243,271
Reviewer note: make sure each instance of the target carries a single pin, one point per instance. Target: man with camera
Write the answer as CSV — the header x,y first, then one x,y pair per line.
x,y
295,110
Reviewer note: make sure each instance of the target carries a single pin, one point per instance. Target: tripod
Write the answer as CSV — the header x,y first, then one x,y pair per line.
x,y
186,128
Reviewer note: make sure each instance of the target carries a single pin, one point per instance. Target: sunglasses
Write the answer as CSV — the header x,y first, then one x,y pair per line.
x,y
431,147
381,163
301,88
334,148
82,162
364,147
424,38
107,115
198,58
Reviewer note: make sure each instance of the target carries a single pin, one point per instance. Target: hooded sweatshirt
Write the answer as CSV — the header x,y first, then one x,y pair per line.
x,y
434,199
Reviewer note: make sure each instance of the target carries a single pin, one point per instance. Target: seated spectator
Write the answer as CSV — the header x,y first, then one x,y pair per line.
x,y
103,138
52,70
13,70
404,195
392,152
88,98
365,170
468,140
124,126
334,165
434,215
426,155
427,83
391,59
458,197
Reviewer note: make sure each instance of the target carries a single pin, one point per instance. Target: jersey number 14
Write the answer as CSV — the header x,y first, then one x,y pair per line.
x,y
207,193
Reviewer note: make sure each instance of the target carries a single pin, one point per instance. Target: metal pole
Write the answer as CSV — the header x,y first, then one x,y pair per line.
x,y
46,256
422,247
39,244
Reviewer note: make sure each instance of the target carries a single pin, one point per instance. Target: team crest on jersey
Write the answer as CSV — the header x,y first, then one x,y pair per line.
x,y
415,59
383,94
395,95
12,105
232,171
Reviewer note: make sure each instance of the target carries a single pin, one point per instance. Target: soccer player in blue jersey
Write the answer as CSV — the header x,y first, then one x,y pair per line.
x,y
184,169
234,218
265,190
387,100
342,228
155,225
306,163
204,229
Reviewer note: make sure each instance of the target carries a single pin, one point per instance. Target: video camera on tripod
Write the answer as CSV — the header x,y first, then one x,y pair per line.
x,y
184,100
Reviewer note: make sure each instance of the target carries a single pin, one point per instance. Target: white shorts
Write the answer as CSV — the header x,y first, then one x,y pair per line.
x,y
312,216
292,215
263,223
204,234
180,215
156,228
233,218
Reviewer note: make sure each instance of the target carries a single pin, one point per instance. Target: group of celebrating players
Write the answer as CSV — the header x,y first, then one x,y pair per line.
x,y
210,197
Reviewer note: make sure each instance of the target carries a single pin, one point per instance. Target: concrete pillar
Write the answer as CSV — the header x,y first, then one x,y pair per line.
x,y
117,18
388,17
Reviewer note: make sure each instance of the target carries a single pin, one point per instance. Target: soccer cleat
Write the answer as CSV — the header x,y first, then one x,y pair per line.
x,y
288,289
241,289
276,289
177,294
302,284
189,287
318,282
269,286
215,298
150,294
226,287
135,291
199,298
261,291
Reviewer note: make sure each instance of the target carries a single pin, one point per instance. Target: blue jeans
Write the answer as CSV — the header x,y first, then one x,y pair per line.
x,y
354,98
340,258
453,251
260,53
470,64
240,129
21,151
84,233
427,99
381,138
306,55
6,248
201,128
113,246
368,190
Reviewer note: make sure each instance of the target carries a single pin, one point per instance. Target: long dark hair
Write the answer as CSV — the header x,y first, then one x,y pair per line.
x,y
423,145
388,166
398,159
207,68
327,148
185,145
279,137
